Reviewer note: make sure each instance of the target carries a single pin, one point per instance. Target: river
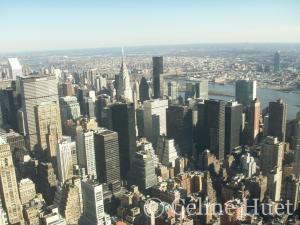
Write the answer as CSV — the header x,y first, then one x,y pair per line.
x,y
264,95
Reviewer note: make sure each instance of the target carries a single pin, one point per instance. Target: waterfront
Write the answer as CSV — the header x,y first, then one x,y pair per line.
x,y
265,96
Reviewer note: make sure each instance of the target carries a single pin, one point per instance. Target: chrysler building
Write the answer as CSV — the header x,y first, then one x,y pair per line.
x,y
123,87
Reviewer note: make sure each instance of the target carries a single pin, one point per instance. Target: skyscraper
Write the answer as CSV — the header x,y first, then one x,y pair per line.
x,y
69,108
46,181
9,105
70,205
248,165
86,152
173,90
107,158
276,62
26,190
271,155
93,206
140,121
143,171
48,125
253,122
196,89
155,119
233,125
101,102
290,190
9,186
123,86
144,90
245,91
202,89
89,107
296,132
277,119
123,122
211,127
67,89
166,151
274,184
64,160
82,92
100,83
180,127
158,69
34,91
15,68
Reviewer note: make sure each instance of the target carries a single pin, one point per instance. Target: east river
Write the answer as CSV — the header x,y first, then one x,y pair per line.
x,y
227,92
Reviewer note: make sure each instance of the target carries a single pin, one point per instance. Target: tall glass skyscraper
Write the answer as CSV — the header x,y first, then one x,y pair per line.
x,y
276,62
158,69
245,91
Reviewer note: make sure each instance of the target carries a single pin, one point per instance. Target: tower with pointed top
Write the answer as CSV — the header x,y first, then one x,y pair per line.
x,y
123,87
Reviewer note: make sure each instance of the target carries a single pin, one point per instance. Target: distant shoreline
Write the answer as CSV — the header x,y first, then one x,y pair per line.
x,y
261,86
219,93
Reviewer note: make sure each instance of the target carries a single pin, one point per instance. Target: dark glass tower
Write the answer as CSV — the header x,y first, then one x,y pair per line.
x,y
81,93
8,107
89,109
233,126
158,69
144,90
180,127
211,127
143,171
276,62
101,102
107,158
277,119
245,91
123,122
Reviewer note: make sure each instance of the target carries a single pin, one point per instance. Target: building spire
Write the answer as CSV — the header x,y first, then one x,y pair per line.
x,y
122,53
124,87
123,65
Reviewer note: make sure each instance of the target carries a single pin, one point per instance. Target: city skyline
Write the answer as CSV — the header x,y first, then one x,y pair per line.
x,y
196,123
61,25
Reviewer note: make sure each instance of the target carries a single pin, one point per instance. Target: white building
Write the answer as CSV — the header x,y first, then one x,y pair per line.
x,y
166,151
274,184
26,190
36,90
271,154
101,83
248,165
146,146
86,152
15,68
93,205
92,95
53,217
155,119
65,151
69,108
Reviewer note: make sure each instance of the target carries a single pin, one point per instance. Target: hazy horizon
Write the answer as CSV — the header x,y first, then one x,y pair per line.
x,y
159,49
65,25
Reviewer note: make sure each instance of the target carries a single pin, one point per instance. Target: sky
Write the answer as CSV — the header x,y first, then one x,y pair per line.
x,y
32,25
